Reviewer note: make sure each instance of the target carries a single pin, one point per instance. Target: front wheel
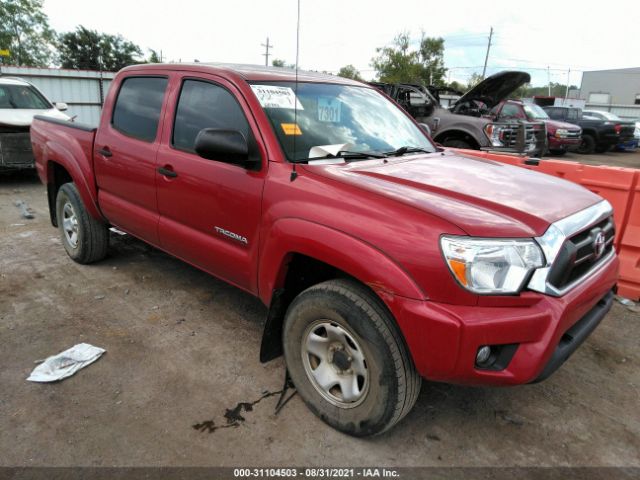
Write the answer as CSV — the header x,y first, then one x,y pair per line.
x,y
84,238
347,358
588,145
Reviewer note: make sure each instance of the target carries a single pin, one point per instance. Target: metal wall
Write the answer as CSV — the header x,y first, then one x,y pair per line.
x,y
622,85
79,89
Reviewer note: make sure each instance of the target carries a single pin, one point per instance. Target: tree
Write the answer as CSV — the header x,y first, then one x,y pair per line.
x,y
91,50
349,71
25,32
474,80
432,59
402,64
154,56
277,62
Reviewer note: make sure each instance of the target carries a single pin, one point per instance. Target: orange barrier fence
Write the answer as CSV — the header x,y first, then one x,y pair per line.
x,y
620,186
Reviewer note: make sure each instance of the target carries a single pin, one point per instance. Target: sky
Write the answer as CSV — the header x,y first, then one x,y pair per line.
x,y
545,38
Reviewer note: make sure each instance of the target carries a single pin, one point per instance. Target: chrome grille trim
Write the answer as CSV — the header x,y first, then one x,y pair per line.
x,y
554,238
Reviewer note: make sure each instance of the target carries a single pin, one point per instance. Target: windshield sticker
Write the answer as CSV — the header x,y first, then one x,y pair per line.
x,y
291,129
271,96
329,109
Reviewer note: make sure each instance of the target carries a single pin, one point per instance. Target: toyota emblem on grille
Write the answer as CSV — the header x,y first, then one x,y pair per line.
x,y
598,244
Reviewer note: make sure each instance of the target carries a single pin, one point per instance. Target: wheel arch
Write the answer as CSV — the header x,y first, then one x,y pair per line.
x,y
300,254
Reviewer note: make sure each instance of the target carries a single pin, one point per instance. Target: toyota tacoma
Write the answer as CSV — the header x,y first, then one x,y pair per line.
x,y
382,258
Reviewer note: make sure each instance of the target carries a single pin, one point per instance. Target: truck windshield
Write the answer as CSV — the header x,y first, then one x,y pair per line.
x,y
346,118
534,112
22,96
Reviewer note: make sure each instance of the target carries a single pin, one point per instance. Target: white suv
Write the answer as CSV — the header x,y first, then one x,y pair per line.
x,y
19,103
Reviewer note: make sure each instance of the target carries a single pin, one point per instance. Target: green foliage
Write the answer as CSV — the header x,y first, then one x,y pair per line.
x,y
557,90
276,62
402,64
91,50
154,56
25,32
474,80
349,71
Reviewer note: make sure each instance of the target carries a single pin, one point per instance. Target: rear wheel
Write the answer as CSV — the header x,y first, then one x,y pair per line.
x,y
588,145
85,239
347,358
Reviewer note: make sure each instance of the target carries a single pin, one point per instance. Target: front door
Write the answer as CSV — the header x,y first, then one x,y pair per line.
x,y
210,211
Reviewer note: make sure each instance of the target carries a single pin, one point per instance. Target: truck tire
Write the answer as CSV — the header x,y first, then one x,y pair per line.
x,y
457,143
588,145
347,358
85,239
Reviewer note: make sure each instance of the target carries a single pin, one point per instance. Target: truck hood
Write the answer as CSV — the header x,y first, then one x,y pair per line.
x,y
492,90
19,117
482,197
553,125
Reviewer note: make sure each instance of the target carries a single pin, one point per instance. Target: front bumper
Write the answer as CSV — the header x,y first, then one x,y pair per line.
x,y
564,144
444,339
15,151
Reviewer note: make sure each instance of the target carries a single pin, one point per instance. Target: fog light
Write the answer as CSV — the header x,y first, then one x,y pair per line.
x,y
483,354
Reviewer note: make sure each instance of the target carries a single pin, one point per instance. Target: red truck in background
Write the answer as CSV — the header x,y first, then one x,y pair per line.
x,y
382,258
562,137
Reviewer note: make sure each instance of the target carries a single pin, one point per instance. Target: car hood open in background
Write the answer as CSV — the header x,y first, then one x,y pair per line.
x,y
482,197
492,90
19,117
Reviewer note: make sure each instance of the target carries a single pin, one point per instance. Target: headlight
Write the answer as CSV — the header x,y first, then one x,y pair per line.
x,y
495,134
562,132
488,266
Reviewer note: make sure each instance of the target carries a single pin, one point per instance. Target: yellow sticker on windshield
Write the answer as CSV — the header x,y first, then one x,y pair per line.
x,y
291,129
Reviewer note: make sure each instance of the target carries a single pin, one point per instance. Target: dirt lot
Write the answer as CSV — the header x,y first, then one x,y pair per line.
x,y
616,159
182,348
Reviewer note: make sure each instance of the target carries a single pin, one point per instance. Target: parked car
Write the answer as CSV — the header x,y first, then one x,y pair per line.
x,y
628,141
467,123
19,103
382,257
562,137
597,135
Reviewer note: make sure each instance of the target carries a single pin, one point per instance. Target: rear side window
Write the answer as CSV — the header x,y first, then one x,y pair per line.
x,y
554,113
205,105
138,106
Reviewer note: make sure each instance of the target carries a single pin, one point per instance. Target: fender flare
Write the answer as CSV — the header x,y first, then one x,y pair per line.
x,y
80,172
352,255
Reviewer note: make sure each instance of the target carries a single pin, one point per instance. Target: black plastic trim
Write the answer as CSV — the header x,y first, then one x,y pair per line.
x,y
576,335
66,123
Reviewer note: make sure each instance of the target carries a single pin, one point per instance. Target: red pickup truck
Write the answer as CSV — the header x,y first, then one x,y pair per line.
x,y
381,257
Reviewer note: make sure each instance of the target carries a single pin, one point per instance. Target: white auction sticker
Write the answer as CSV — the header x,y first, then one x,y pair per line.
x,y
272,96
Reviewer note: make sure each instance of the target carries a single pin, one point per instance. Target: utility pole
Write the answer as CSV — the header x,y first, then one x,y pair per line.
x,y
566,92
549,79
486,59
267,46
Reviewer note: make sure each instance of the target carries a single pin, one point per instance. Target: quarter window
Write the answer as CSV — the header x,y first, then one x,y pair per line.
x,y
205,105
138,106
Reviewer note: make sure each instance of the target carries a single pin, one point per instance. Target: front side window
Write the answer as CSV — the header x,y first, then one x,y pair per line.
x,y
573,114
138,107
205,105
358,119
511,111
22,96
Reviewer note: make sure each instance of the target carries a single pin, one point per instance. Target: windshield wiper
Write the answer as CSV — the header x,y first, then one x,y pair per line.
x,y
350,155
403,150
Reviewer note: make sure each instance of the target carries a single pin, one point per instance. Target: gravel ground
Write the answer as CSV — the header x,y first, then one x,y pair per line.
x,y
182,349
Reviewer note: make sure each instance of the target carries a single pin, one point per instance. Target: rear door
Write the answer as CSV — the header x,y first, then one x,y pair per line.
x,y
210,211
125,156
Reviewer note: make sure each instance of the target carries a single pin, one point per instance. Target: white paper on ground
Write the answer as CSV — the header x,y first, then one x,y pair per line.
x,y
66,363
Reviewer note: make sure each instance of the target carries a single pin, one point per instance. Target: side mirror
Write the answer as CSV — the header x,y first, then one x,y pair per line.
x,y
426,128
229,146
61,106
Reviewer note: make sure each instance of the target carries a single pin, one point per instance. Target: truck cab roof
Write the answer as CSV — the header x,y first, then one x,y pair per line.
x,y
250,73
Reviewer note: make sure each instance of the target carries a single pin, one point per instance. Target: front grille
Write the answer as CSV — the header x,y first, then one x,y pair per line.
x,y
15,150
523,137
573,134
578,254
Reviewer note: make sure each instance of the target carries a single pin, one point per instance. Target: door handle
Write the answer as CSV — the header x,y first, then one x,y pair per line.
x,y
105,152
167,172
